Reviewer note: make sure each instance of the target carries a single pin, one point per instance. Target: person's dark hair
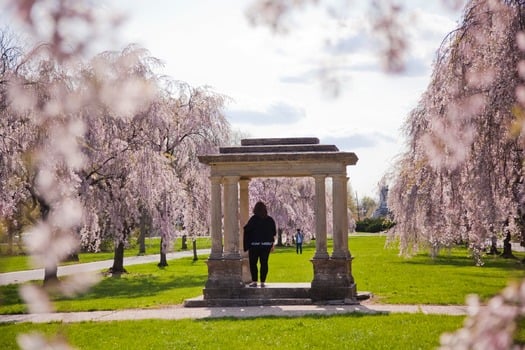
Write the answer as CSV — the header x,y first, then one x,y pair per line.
x,y
260,210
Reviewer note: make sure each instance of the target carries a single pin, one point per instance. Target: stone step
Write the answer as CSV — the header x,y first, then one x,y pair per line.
x,y
270,291
271,294
201,302
275,292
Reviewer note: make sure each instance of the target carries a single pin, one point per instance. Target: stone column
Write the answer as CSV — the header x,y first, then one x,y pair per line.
x,y
244,209
216,218
225,272
340,217
244,213
344,190
332,276
231,217
320,218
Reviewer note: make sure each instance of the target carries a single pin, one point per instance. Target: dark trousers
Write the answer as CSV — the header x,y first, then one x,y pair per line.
x,y
261,254
299,248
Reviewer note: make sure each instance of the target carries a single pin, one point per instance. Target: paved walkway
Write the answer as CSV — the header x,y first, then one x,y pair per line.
x,y
179,312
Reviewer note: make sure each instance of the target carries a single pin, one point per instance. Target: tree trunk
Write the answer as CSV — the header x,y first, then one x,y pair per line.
x,y
280,237
163,261
10,235
118,261
50,272
142,235
507,248
142,241
195,257
73,257
493,246
50,275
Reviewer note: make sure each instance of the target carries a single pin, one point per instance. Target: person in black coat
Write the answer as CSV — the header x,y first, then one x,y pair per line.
x,y
259,236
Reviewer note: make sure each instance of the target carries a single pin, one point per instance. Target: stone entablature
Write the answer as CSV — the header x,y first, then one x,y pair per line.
x,y
281,141
284,145
292,157
279,149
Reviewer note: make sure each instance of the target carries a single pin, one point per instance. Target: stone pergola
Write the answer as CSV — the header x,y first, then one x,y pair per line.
x,y
230,174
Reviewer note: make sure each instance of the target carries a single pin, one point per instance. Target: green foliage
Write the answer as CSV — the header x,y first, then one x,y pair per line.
x,y
373,225
394,331
367,205
107,245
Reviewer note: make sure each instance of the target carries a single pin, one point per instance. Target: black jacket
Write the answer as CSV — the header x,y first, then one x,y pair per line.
x,y
259,232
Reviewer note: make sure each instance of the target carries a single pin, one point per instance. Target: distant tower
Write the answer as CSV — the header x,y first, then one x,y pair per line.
x,y
382,210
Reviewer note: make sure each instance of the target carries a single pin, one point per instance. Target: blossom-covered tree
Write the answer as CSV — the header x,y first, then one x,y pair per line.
x,y
291,203
461,176
137,162
199,127
115,149
97,135
13,201
31,126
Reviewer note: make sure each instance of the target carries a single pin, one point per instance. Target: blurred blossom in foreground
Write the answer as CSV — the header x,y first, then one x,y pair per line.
x,y
36,341
493,326
50,92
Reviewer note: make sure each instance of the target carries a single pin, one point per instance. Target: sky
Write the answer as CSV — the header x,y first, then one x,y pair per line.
x,y
276,84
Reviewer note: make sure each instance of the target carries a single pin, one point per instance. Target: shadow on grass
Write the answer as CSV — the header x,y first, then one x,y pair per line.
x,y
465,261
289,315
136,286
140,285
309,248
9,295
132,285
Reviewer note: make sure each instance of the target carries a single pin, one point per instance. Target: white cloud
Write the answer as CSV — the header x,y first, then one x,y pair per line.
x,y
359,140
276,113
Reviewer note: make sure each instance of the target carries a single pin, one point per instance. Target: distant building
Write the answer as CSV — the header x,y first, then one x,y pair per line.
x,y
382,210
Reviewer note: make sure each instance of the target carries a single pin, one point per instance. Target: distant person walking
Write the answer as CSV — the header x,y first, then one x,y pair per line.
x,y
259,236
299,239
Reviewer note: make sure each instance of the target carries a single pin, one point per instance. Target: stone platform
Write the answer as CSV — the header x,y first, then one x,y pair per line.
x,y
271,294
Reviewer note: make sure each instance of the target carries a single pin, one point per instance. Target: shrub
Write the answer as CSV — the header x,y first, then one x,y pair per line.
x,y
373,225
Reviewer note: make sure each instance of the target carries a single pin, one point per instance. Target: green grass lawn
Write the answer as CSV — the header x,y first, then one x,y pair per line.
x,y
448,279
395,331
144,286
22,262
392,279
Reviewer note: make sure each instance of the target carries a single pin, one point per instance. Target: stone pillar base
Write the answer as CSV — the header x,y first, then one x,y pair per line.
x,y
246,275
333,280
223,275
